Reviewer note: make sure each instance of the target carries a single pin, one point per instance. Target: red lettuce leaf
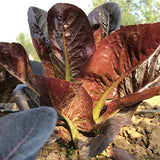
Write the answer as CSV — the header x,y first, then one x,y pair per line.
x,y
72,102
146,76
142,83
71,39
116,57
43,90
63,133
14,59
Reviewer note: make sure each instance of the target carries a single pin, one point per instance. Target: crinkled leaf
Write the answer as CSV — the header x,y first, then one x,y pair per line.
x,y
37,19
92,146
71,39
25,98
72,102
119,154
146,76
23,134
142,83
14,59
116,57
107,16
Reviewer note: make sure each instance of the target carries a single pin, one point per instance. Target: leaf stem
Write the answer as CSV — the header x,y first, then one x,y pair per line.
x,y
67,69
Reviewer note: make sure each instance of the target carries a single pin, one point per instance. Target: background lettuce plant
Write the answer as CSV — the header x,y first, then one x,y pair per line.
x,y
94,80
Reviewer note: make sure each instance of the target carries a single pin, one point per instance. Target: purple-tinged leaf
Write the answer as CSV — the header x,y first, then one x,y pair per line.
x,y
37,68
71,39
116,57
25,98
72,102
120,154
107,16
14,59
23,134
107,132
37,19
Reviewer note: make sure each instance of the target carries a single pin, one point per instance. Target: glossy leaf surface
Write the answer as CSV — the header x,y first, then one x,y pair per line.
x,y
23,134
71,39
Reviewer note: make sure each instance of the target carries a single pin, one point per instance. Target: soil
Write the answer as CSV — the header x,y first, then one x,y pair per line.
x,y
141,138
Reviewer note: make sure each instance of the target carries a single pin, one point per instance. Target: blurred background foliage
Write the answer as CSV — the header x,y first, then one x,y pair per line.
x,y
25,40
133,12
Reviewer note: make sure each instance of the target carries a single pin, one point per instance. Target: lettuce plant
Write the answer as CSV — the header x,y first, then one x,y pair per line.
x,y
94,78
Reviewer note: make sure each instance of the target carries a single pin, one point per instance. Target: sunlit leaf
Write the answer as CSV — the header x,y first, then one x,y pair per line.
x,y
141,84
116,57
72,102
23,134
71,39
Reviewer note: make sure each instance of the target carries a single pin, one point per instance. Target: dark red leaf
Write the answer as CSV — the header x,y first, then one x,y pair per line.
x,y
43,90
143,83
72,102
14,59
63,133
71,39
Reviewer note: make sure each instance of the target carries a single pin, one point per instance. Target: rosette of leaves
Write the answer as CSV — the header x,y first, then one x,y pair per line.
x,y
94,82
